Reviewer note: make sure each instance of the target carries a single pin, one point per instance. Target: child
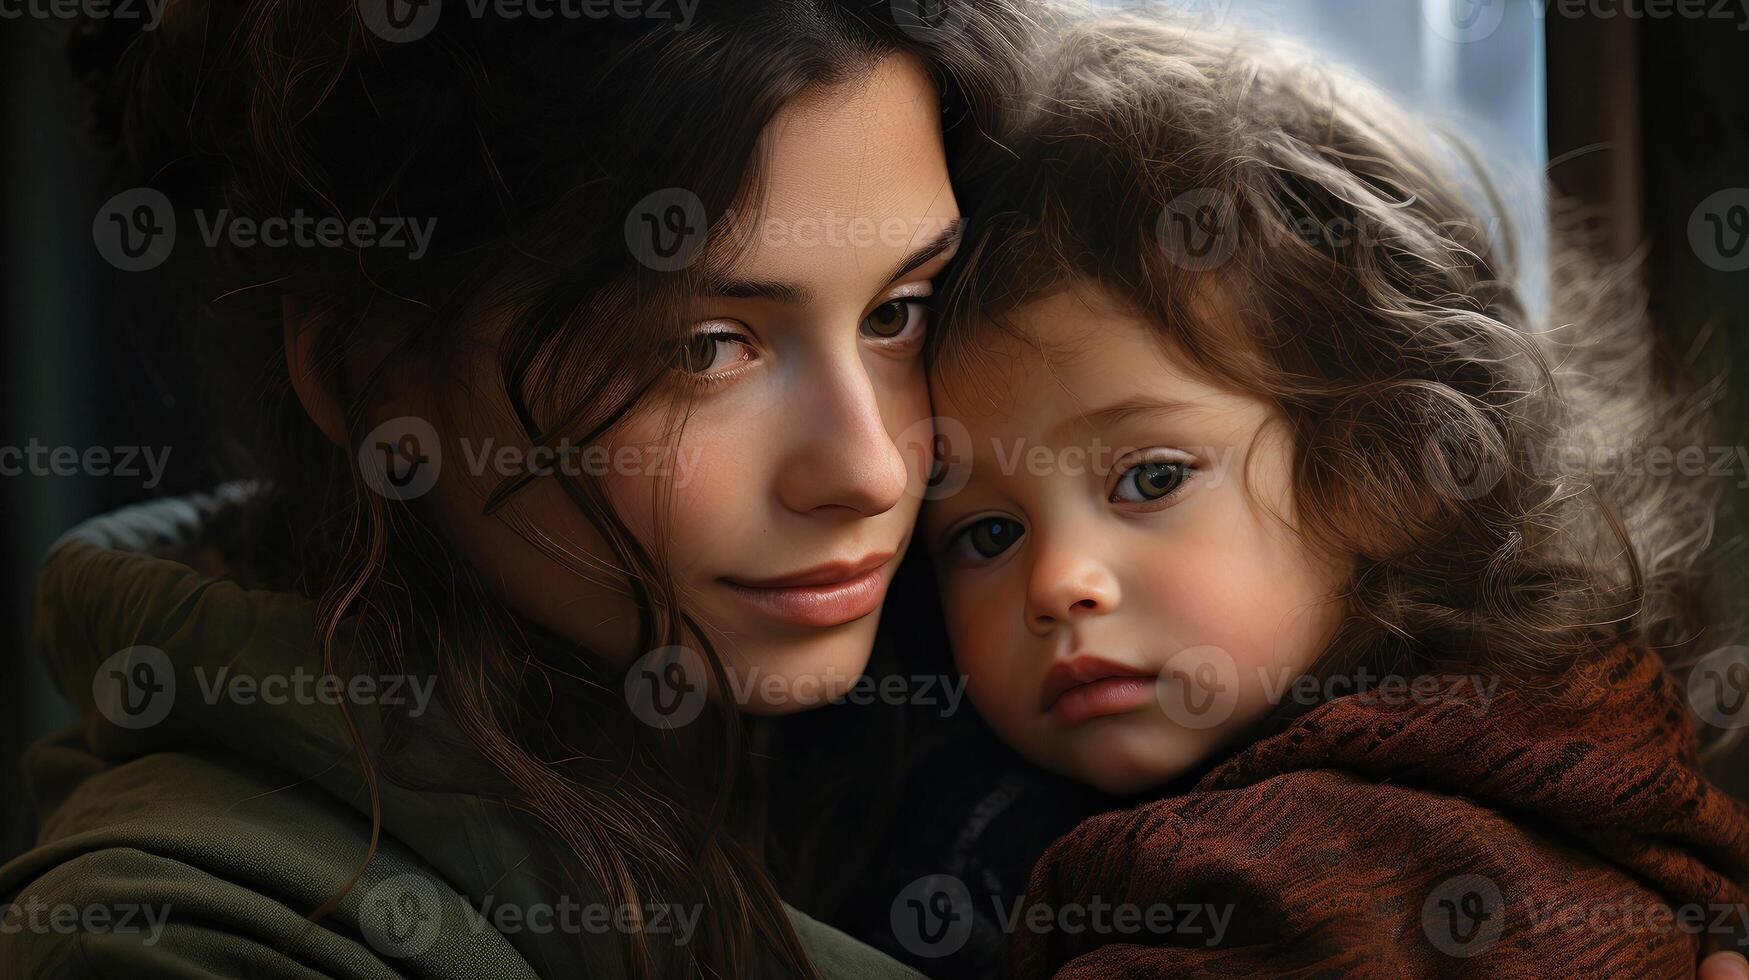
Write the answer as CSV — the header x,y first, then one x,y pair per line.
x,y
1257,475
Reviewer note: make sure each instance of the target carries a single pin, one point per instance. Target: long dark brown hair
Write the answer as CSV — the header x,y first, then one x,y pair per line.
x,y
528,142
1448,438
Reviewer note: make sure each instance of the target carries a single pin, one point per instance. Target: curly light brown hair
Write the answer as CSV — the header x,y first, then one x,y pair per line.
x,y
1452,440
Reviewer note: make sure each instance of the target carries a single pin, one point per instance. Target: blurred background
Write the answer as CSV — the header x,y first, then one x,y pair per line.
x,y
1636,109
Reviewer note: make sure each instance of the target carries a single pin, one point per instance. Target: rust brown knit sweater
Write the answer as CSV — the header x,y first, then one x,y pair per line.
x,y
1422,837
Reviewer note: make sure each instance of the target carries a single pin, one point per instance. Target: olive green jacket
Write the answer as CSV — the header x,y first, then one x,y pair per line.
x,y
188,826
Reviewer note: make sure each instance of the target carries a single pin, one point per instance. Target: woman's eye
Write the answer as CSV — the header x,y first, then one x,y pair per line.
x,y
1151,481
986,538
711,353
896,319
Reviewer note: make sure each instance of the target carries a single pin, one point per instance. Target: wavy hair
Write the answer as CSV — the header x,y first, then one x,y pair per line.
x,y
1454,442
528,142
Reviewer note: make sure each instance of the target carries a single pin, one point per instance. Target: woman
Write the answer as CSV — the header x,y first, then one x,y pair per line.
x,y
498,781
653,239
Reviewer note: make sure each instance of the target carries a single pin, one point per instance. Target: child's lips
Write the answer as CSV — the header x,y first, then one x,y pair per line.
x,y
1109,696
1087,683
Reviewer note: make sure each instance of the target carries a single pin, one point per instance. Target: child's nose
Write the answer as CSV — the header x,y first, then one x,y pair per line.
x,y
1068,587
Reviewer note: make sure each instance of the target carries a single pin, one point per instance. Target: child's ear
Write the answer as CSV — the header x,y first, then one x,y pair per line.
x,y
302,330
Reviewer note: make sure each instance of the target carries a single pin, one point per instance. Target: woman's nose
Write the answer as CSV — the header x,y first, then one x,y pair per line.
x,y
839,452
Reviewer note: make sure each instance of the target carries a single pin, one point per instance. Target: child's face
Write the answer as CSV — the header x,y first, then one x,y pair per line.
x,y
1119,597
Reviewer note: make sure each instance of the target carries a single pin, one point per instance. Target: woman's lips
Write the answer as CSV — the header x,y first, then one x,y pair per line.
x,y
828,595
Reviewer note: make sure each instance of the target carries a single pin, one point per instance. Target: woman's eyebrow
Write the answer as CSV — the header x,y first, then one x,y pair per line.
x,y
948,238
779,291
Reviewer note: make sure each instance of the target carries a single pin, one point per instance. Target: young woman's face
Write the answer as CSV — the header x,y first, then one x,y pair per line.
x,y
790,495
1121,577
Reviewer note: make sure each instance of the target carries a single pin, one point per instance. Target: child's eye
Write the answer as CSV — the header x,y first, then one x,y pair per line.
x,y
1150,482
984,539
897,320
712,352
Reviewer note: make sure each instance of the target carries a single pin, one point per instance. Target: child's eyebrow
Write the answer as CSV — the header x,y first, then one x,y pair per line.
x,y
1122,410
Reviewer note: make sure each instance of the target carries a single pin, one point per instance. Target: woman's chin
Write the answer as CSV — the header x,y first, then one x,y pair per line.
x,y
783,676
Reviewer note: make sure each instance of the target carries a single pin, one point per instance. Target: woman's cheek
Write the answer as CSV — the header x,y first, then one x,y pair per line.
x,y
905,408
693,489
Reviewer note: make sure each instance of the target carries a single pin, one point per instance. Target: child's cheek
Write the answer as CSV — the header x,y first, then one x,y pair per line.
x,y
982,619
1247,595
